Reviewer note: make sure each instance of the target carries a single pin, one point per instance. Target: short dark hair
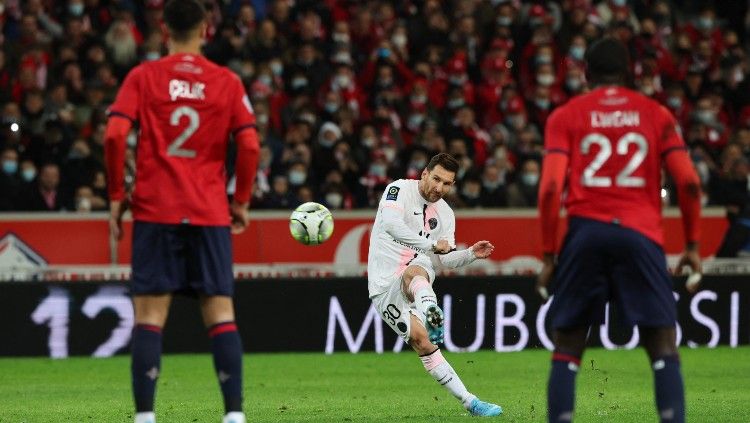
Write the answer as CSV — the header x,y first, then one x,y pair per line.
x,y
607,61
445,160
182,17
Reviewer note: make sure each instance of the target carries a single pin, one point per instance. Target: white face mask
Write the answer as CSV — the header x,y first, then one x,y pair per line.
x,y
334,199
83,204
399,40
545,79
390,154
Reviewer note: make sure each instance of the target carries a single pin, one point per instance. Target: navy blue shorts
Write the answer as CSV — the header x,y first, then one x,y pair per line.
x,y
602,262
186,259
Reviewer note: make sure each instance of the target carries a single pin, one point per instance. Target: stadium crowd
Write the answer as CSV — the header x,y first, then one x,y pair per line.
x,y
349,94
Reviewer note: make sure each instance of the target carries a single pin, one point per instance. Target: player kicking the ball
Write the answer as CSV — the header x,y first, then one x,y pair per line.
x,y
414,225
611,145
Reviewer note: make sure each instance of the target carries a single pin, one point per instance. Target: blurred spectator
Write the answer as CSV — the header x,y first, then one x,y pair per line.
x,y
10,181
523,192
47,194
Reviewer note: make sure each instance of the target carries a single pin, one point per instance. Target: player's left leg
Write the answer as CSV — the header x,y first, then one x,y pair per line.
x,y
226,347
566,359
659,343
439,368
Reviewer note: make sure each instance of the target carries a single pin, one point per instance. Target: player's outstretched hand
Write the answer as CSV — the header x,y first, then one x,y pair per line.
x,y
542,280
240,217
442,247
116,211
692,259
482,249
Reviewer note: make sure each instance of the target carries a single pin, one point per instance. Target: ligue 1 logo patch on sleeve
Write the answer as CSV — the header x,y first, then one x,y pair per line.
x,y
392,193
432,222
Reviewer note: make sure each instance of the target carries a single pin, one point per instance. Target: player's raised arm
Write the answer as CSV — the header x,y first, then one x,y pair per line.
x,y
392,214
680,168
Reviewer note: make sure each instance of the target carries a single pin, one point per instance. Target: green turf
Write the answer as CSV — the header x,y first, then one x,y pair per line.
x,y
613,386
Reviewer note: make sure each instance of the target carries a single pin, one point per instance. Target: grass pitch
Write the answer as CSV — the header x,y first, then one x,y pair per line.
x,y
613,386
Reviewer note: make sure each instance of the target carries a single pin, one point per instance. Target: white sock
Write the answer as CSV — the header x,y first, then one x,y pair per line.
x,y
145,417
234,417
441,370
424,296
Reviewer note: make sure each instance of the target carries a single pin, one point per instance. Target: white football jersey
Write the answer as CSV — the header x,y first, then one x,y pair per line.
x,y
406,226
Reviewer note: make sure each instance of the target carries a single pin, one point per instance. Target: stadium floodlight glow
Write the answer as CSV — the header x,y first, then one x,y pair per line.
x,y
14,127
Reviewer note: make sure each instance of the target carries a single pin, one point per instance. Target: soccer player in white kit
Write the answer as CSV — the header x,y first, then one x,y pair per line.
x,y
413,228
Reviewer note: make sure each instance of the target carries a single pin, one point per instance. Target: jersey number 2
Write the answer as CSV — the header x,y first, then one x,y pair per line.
x,y
624,178
175,148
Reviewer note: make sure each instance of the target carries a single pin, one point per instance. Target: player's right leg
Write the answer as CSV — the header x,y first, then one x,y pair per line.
x,y
400,313
416,286
439,368
226,348
150,315
566,359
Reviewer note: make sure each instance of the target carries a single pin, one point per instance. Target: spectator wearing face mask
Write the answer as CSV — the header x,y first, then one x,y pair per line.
x,y
523,192
10,182
79,167
494,187
27,172
280,196
83,200
336,197
471,192
323,154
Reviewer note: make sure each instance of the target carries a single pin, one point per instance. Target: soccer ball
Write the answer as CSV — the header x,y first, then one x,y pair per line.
x,y
311,223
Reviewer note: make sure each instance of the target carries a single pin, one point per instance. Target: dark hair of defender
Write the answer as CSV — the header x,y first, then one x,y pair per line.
x,y
445,160
182,17
607,62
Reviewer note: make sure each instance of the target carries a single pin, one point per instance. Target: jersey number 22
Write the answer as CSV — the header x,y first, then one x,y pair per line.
x,y
624,178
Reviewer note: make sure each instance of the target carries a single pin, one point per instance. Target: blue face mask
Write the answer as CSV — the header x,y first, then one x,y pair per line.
x,y
76,9
573,84
297,178
674,102
378,170
10,167
151,56
542,103
331,107
28,175
577,52
530,179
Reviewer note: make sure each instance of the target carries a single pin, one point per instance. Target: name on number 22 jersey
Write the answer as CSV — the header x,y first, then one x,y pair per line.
x,y
616,140
186,108
388,257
